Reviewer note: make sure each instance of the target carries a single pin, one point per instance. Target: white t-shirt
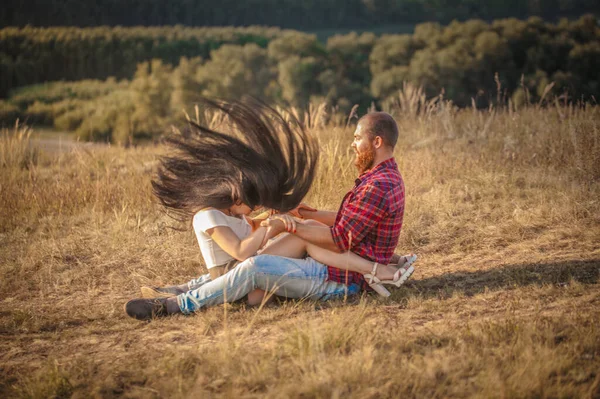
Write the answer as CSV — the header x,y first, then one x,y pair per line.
x,y
206,219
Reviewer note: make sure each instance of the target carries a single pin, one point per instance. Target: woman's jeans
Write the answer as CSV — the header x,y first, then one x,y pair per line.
x,y
287,277
205,278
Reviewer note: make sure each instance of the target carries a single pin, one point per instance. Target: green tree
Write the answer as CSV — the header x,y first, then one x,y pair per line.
x,y
186,88
234,71
151,90
392,51
347,80
295,44
300,59
584,63
428,34
388,82
298,78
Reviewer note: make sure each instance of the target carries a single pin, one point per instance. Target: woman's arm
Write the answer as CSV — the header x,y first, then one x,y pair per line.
x,y
255,221
231,243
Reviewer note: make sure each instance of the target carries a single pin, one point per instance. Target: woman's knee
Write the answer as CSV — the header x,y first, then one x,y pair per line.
x,y
251,266
246,266
254,265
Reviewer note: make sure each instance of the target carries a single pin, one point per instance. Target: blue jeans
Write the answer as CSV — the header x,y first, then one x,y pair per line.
x,y
287,277
196,283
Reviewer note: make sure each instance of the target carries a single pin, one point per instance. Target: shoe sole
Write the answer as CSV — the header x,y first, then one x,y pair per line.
x,y
381,290
410,260
402,279
406,275
151,293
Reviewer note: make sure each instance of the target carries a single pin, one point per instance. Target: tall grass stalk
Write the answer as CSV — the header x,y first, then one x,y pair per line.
x,y
17,149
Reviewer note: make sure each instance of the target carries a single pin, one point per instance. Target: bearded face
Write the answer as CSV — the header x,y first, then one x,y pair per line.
x,y
364,157
364,148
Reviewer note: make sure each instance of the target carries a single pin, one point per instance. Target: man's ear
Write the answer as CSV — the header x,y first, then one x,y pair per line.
x,y
378,142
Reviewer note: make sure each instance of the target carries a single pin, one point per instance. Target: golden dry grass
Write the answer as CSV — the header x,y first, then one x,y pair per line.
x,y
502,207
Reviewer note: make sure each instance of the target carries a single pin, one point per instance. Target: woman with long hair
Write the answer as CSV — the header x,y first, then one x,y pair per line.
x,y
216,179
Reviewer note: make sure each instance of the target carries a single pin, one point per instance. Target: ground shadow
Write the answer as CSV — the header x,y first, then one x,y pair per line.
x,y
506,277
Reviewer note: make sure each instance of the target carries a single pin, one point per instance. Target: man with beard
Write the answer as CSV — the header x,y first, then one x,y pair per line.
x,y
368,223
369,219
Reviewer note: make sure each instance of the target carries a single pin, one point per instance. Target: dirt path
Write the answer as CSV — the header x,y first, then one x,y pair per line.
x,y
56,142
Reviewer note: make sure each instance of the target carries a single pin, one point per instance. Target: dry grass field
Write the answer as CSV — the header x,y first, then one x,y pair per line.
x,y
502,207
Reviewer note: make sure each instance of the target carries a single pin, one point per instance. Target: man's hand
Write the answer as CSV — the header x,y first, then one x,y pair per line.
x,y
302,207
281,223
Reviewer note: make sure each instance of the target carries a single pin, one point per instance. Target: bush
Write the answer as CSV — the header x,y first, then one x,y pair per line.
x,y
70,121
9,113
52,92
39,112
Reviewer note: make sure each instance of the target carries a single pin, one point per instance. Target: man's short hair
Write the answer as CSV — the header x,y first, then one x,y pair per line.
x,y
383,125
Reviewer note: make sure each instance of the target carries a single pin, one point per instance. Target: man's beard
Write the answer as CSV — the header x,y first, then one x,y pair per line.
x,y
364,160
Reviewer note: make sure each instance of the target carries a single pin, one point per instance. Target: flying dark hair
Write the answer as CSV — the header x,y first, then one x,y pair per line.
x,y
272,161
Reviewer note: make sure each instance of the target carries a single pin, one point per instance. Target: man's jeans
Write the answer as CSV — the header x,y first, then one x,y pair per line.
x,y
287,277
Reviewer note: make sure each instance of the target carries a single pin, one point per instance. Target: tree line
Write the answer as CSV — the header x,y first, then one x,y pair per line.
x,y
470,63
31,55
297,14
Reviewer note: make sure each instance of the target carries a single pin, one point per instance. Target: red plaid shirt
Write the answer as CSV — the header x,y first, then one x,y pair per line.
x,y
369,220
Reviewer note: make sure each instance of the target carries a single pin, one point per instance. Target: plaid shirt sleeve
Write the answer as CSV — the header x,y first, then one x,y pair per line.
x,y
359,216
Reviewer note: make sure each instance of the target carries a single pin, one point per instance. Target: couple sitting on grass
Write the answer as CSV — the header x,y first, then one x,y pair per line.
x,y
218,179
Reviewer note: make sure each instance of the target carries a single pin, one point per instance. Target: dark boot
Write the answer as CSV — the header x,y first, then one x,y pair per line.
x,y
164,292
147,309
